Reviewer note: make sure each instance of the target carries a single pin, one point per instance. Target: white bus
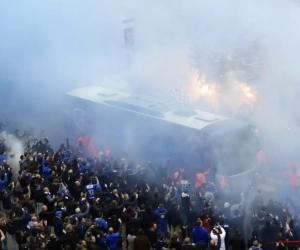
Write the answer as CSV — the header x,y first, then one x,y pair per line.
x,y
152,128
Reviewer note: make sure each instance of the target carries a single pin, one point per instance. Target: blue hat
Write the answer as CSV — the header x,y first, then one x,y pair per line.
x,y
59,193
186,190
58,213
25,208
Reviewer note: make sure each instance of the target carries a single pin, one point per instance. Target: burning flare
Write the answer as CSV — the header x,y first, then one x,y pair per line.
x,y
235,95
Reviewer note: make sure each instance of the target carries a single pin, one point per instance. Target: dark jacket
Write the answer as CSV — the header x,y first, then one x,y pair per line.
x,y
152,236
58,226
237,242
70,239
47,216
6,201
147,219
188,247
13,225
54,244
141,242
174,216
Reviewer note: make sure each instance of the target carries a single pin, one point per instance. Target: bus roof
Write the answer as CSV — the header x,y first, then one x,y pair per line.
x,y
148,105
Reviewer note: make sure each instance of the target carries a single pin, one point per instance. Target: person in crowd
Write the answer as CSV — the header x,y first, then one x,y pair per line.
x,y
188,245
112,237
175,243
200,236
255,246
215,245
162,222
141,241
222,233
237,241
174,219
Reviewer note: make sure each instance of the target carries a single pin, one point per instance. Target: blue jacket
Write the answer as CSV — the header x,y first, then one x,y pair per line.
x,y
87,167
3,183
26,220
112,240
102,223
161,215
2,158
200,235
46,170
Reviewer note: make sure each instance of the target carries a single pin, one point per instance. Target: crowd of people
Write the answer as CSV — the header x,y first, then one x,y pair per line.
x,y
66,199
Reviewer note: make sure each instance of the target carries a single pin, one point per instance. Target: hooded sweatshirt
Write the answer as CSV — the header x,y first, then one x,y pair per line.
x,y
200,235
160,214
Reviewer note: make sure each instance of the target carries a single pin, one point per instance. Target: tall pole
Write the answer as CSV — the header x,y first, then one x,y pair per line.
x,y
129,39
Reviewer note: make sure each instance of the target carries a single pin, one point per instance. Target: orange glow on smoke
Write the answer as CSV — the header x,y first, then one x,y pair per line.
x,y
236,94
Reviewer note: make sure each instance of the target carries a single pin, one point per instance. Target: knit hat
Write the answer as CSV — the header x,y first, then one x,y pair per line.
x,y
59,193
58,213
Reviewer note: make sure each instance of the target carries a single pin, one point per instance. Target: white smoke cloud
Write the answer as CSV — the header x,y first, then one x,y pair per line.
x,y
50,47
15,149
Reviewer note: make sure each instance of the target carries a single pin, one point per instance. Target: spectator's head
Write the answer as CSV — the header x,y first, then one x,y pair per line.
x,y
69,228
67,219
77,210
45,208
58,214
199,222
154,226
42,245
187,240
212,243
53,237
140,232
255,243
82,221
34,219
93,239
46,190
82,243
110,230
126,196
36,224
161,206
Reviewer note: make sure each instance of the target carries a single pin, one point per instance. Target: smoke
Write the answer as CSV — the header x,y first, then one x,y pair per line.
x,y
47,48
15,149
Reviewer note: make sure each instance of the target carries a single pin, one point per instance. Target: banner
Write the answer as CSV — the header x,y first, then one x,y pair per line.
x,y
129,39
